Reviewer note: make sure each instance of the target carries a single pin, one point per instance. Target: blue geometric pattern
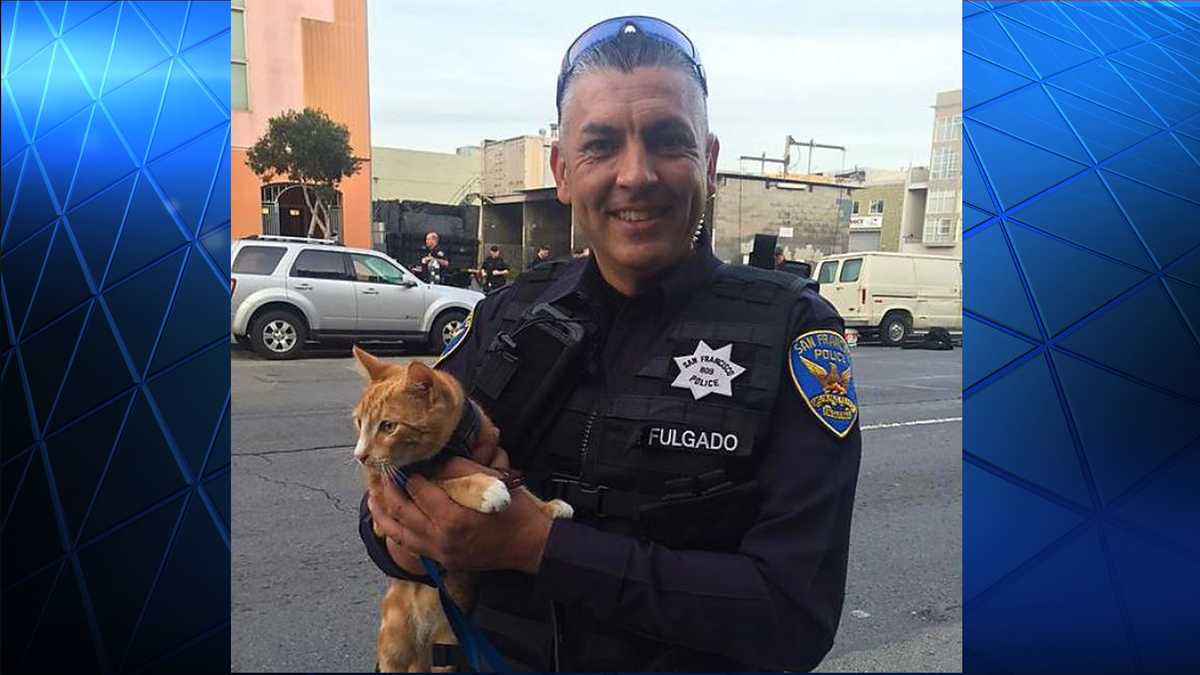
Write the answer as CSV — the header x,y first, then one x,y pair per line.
x,y
1081,147
114,353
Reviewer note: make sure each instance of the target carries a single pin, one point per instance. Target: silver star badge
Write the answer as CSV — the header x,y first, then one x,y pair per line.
x,y
707,371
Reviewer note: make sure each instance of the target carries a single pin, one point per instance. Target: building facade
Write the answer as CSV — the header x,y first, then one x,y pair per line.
x,y
437,177
289,55
876,209
932,222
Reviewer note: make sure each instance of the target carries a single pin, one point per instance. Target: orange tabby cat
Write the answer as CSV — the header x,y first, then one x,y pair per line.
x,y
405,416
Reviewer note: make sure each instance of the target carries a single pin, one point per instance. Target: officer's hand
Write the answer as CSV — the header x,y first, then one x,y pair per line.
x,y
494,457
427,522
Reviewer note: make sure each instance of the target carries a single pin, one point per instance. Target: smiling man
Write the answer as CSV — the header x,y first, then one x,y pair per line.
x,y
686,409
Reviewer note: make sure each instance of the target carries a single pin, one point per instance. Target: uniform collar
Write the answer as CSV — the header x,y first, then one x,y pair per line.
x,y
583,278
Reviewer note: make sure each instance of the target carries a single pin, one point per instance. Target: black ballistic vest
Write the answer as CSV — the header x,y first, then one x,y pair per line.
x,y
649,461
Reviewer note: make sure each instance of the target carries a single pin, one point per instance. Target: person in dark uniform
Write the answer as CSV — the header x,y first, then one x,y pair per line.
x,y
435,265
542,255
494,270
709,444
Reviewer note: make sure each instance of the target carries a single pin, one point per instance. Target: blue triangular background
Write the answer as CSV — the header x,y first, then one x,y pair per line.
x,y
991,285
1029,115
1040,449
1134,336
95,225
1104,131
1100,227
1118,452
1018,170
1167,224
1066,298
990,350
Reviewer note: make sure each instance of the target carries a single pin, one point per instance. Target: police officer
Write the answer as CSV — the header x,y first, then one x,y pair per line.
x,y
542,255
710,445
434,264
494,270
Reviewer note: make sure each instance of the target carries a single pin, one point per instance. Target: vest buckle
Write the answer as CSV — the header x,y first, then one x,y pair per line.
x,y
587,498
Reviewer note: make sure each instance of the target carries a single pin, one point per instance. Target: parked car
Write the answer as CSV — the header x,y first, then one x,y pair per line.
x,y
894,295
289,291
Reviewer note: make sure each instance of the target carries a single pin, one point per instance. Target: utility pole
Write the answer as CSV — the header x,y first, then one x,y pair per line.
x,y
787,151
762,167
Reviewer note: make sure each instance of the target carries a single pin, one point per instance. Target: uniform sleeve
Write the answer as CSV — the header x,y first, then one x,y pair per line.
x,y
776,602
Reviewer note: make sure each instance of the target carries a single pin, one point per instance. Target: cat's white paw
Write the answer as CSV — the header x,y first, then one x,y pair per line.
x,y
495,497
561,509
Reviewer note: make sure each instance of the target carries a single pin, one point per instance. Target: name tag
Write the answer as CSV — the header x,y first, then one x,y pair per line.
x,y
689,439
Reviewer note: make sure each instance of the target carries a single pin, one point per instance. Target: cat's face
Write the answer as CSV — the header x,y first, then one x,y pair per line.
x,y
405,415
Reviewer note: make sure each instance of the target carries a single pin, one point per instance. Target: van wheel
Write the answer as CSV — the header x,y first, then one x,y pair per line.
x,y
278,334
447,324
895,329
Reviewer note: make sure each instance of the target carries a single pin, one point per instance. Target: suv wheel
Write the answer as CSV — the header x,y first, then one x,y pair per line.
x,y
278,334
895,328
444,328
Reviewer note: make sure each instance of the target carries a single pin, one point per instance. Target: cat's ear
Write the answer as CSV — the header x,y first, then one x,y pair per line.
x,y
420,377
372,368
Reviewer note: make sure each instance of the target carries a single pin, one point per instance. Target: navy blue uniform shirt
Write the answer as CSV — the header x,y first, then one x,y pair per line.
x,y
774,603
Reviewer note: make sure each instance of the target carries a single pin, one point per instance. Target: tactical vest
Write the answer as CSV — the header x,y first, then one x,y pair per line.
x,y
650,461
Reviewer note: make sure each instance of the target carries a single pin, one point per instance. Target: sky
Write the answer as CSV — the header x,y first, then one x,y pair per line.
x,y
857,73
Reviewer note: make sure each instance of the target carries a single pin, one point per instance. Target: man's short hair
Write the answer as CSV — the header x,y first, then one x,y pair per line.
x,y
494,249
628,51
544,247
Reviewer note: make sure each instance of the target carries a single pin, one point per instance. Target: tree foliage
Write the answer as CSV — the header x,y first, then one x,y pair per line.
x,y
310,149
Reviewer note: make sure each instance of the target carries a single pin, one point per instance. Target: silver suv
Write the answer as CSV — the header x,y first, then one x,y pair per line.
x,y
290,290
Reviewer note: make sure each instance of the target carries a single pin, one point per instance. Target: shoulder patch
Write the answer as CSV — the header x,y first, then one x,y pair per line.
x,y
819,362
457,339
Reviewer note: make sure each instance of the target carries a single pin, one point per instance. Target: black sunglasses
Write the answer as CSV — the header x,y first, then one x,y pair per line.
x,y
610,29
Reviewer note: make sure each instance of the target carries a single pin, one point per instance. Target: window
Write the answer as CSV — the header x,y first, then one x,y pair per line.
x,y
314,264
239,95
258,259
947,129
943,201
939,231
828,272
945,164
876,206
854,208
374,269
850,270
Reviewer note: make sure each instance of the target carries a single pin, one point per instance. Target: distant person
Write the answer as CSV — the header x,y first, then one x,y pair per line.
x,y
434,264
779,258
494,270
543,254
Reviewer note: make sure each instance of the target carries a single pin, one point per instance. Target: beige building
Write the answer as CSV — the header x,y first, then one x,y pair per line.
x,y
438,177
932,218
876,209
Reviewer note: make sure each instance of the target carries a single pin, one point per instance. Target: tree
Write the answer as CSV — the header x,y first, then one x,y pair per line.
x,y
313,151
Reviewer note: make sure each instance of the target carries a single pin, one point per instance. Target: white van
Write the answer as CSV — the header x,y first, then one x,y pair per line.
x,y
894,294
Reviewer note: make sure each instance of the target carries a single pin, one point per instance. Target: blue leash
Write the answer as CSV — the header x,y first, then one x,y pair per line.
x,y
480,652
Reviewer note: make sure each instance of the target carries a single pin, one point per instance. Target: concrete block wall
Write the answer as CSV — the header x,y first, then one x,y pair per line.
x,y
745,206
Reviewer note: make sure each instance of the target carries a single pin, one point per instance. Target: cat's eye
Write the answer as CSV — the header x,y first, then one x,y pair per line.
x,y
387,426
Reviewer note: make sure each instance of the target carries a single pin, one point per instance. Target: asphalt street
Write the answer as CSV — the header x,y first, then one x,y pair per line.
x,y
305,596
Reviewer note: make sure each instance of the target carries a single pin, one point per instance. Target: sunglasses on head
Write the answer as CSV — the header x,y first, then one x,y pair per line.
x,y
611,29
